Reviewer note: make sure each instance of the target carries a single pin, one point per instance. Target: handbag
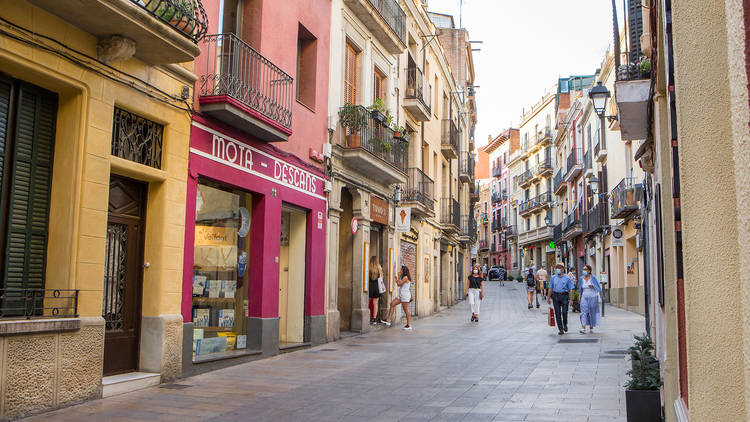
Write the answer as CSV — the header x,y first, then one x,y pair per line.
x,y
551,317
381,285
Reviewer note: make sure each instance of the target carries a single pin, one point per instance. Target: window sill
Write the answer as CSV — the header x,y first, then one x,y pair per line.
x,y
31,326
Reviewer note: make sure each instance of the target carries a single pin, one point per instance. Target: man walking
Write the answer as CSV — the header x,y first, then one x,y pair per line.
x,y
560,286
541,279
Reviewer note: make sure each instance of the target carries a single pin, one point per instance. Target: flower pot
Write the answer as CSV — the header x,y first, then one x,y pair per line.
x,y
643,405
353,140
377,116
397,135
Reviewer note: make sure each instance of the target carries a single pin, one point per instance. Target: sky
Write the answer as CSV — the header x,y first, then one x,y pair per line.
x,y
527,45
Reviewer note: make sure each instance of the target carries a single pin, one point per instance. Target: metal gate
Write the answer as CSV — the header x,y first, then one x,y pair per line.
x,y
458,294
408,252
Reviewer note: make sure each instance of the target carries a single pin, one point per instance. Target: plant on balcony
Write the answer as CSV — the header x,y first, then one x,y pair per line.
x,y
352,119
380,112
642,399
399,132
644,65
386,146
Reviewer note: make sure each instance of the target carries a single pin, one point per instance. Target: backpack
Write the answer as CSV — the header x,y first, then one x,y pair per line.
x,y
530,281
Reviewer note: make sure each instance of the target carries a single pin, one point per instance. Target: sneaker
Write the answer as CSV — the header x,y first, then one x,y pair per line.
x,y
408,327
472,318
387,324
565,328
559,333
583,331
591,330
476,319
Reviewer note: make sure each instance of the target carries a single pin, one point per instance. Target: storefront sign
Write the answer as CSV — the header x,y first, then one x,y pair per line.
x,y
216,146
379,210
215,236
355,225
403,219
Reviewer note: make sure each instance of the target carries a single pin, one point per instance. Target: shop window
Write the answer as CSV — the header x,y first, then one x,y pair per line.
x,y
220,269
28,117
136,138
307,57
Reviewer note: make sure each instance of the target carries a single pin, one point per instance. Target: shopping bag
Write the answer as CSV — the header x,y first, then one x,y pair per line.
x,y
551,317
381,285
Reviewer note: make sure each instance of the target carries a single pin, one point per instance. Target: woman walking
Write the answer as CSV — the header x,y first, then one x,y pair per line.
x,y
376,272
404,297
589,291
530,287
476,293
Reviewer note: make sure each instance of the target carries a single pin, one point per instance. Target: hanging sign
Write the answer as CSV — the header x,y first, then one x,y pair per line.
x,y
355,225
379,210
403,220
618,237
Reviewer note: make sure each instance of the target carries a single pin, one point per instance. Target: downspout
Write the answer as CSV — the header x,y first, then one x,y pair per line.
x,y
616,30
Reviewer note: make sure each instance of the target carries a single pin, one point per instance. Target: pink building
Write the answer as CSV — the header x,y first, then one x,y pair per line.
x,y
253,282
499,151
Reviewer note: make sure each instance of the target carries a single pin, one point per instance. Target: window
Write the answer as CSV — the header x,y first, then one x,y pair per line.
x,y
136,139
307,57
28,116
350,75
378,83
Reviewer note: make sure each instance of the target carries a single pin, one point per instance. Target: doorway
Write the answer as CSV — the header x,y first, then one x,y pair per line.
x,y
345,271
378,244
123,274
292,275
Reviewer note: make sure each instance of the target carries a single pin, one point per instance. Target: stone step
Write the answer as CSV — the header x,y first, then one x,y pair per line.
x,y
124,383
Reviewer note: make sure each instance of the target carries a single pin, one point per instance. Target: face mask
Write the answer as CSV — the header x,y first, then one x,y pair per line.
x,y
557,271
476,272
584,272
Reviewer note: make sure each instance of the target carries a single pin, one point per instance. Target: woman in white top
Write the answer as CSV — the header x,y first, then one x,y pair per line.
x,y
590,292
404,297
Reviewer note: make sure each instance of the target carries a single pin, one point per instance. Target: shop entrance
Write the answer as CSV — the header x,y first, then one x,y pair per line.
x,y
409,258
378,250
292,274
123,274
345,271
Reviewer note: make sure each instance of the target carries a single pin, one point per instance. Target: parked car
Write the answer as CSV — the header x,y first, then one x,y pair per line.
x,y
496,272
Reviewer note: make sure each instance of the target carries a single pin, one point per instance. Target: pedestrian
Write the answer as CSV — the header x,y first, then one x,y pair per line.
x,y
541,278
590,291
376,277
404,297
484,271
560,285
476,293
530,287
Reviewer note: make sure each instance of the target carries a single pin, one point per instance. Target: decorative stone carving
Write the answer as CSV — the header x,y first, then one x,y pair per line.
x,y
115,48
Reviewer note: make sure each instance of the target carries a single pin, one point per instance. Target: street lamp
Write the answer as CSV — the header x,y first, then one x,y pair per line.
x,y
599,95
547,220
397,194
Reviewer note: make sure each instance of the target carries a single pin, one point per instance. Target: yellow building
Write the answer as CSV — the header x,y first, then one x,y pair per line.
x,y
95,121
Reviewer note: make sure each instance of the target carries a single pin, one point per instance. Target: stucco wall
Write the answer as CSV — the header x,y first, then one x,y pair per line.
x,y
709,215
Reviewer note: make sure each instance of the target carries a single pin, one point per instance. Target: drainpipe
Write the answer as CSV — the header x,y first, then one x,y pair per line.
x,y
646,262
616,30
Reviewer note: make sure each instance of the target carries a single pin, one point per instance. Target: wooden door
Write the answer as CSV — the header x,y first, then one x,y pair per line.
x,y
123,275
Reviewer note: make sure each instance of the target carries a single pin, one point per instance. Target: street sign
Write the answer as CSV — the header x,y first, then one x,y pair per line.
x,y
403,220
355,225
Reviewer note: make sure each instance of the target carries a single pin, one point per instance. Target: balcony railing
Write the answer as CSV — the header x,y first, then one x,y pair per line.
x,y
525,177
596,218
534,203
544,135
543,167
511,230
417,87
363,131
557,233
393,16
558,180
624,198
483,244
497,197
419,188
450,134
450,212
493,247
187,17
575,163
38,303
236,70
587,160
497,171
571,220
468,226
467,165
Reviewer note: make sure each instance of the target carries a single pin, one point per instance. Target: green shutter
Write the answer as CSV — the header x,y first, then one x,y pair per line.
x,y
5,92
28,207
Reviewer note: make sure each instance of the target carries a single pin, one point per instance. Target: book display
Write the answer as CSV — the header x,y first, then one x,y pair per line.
x,y
219,287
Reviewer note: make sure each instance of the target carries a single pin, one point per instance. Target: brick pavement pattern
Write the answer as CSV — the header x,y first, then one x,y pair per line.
x,y
508,367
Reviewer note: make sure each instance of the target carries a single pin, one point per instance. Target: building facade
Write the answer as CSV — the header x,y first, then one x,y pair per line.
x,y
96,124
498,149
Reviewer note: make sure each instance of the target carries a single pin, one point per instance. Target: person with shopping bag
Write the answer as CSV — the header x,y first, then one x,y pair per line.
x,y
560,286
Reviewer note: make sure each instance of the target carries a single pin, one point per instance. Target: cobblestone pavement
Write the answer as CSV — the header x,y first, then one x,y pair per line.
x,y
510,366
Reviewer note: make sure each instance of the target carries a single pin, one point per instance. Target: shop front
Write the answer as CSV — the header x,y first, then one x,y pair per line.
x,y
253,283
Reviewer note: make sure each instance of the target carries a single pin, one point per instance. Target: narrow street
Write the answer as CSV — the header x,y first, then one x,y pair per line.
x,y
509,367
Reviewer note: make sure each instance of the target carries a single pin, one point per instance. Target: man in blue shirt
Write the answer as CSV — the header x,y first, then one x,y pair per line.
x,y
560,286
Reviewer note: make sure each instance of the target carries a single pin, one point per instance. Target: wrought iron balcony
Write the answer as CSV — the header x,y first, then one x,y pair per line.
x,y
419,189
450,214
572,224
244,89
588,169
575,164
510,230
467,167
38,303
557,233
526,178
497,197
537,203
624,198
368,145
559,185
493,248
596,218
544,137
544,168
385,19
496,226
497,171
483,245
163,31
468,227
450,139
417,98
600,149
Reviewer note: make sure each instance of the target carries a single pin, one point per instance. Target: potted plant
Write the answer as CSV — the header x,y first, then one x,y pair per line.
x,y
642,398
576,301
378,111
644,66
162,9
352,119
386,146
183,19
399,132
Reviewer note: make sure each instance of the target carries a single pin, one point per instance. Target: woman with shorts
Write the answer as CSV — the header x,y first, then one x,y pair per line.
x,y
404,297
376,271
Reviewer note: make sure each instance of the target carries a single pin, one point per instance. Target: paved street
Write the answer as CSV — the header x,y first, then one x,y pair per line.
x,y
509,367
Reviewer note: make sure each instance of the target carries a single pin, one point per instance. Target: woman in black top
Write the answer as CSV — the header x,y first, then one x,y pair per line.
x,y
476,293
374,288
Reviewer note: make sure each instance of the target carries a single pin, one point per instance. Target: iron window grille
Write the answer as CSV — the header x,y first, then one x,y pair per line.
x,y
137,139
